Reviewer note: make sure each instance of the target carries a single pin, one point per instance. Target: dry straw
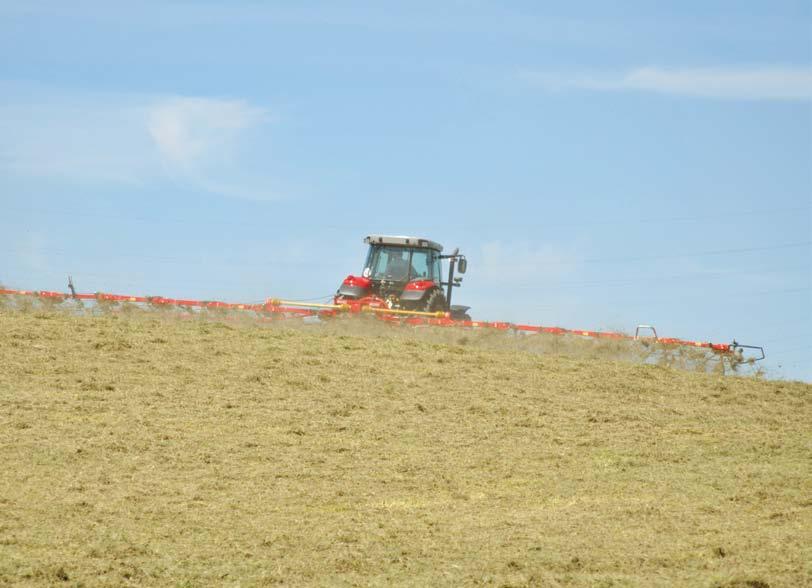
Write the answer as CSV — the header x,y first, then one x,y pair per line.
x,y
145,449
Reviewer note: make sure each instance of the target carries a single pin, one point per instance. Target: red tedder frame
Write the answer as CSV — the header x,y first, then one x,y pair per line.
x,y
283,308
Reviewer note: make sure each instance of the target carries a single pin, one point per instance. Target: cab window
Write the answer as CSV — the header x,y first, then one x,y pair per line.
x,y
437,267
420,265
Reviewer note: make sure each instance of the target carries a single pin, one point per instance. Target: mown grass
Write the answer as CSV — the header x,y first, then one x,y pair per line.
x,y
141,450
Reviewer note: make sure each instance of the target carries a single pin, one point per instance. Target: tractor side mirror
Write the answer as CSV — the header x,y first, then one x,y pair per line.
x,y
462,265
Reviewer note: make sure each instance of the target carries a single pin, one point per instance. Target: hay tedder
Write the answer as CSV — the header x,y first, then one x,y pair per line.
x,y
402,282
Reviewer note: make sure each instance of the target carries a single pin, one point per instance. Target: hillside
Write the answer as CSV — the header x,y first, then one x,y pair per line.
x,y
154,451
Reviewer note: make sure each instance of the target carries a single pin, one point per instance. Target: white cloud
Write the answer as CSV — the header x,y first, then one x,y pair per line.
x,y
198,141
130,139
188,130
737,83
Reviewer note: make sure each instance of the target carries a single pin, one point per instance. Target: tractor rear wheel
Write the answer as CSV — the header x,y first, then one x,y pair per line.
x,y
435,301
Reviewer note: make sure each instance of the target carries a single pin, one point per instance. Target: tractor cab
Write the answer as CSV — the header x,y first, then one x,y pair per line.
x,y
405,273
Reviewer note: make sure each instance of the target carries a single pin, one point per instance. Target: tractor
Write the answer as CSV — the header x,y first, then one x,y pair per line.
x,y
406,273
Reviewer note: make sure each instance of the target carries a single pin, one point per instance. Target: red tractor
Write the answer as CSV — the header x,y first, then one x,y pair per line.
x,y
405,273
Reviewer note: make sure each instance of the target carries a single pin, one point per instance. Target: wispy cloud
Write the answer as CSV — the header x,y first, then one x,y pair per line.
x,y
189,130
130,139
198,138
735,83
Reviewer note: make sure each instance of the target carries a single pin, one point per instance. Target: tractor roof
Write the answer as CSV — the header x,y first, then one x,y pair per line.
x,y
403,241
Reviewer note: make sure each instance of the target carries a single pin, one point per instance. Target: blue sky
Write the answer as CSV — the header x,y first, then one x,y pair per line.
x,y
600,167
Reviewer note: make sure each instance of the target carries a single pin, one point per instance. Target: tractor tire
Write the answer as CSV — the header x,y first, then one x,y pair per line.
x,y
435,301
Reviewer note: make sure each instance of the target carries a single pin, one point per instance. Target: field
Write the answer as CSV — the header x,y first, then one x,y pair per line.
x,y
147,450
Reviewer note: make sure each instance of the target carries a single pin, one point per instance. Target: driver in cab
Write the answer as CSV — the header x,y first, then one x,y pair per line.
x,y
397,266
